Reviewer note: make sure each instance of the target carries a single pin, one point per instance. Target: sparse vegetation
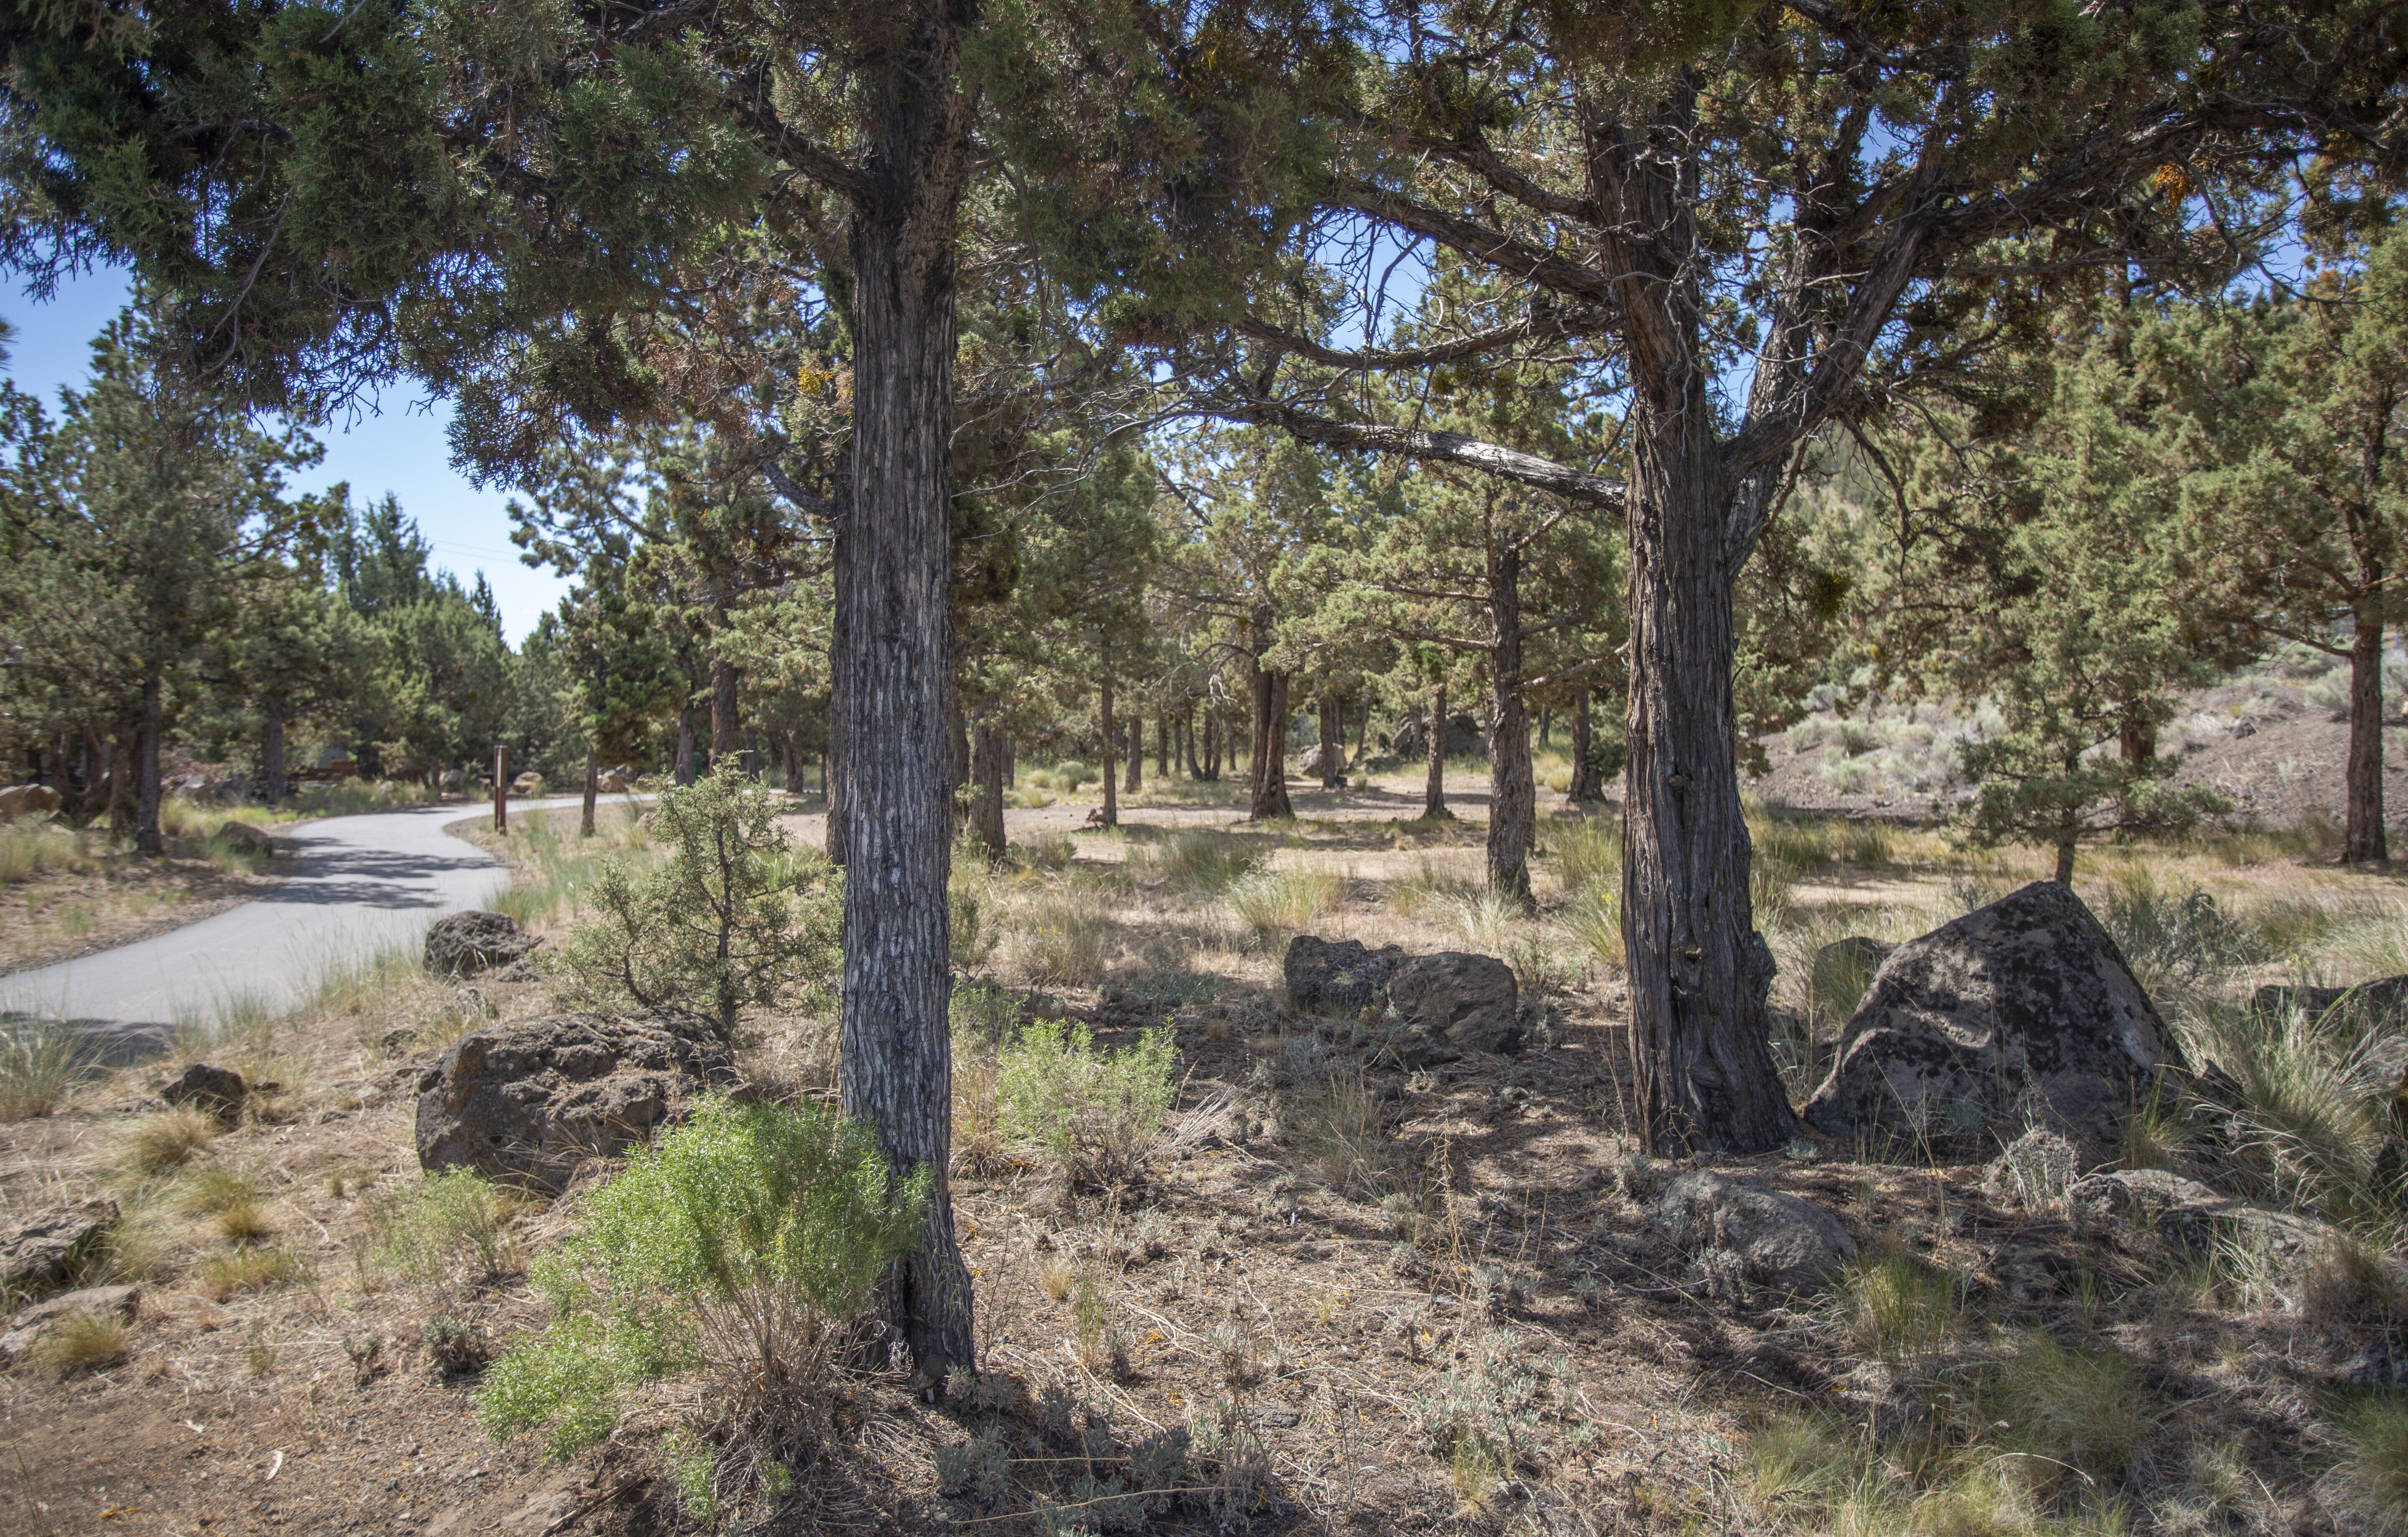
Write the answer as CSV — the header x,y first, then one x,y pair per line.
x,y
1096,1111
40,1060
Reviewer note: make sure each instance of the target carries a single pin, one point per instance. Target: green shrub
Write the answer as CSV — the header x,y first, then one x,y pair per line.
x,y
420,1231
1095,1112
1071,773
747,1242
732,913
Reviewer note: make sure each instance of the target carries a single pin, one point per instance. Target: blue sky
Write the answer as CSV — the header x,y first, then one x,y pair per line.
x,y
402,450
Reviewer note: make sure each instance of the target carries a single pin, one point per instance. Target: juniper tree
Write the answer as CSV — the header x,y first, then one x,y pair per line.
x,y
1750,220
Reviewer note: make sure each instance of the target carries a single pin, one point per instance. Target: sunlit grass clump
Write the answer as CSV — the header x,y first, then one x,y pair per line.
x,y
1272,902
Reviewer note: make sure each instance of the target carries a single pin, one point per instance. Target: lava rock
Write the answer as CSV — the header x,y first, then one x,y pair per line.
x,y
464,943
220,1091
1468,1001
41,1252
242,837
1778,1240
1343,977
2022,1013
2142,1209
531,1099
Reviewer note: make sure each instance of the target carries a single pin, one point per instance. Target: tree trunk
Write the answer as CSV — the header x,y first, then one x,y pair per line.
x,y
1546,724
1362,730
1162,745
681,766
1211,748
986,820
1333,742
1136,781
1512,787
1270,802
147,840
1111,751
271,748
592,789
1699,973
1587,785
724,744
2362,836
832,770
501,788
124,789
1434,793
895,664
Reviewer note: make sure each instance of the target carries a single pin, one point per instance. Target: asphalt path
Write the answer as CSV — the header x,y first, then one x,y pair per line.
x,y
362,883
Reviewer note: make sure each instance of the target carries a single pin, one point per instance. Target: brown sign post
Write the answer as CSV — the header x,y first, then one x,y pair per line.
x,y
501,787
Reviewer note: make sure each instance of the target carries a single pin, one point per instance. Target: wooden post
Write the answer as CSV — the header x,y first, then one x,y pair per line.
x,y
501,788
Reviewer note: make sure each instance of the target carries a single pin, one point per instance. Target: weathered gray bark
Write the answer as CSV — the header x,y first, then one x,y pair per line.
x,y
832,775
1512,787
1136,781
271,748
592,789
1269,801
986,806
895,665
1699,973
1434,792
1333,742
2362,834
1588,783
1162,745
148,839
1111,751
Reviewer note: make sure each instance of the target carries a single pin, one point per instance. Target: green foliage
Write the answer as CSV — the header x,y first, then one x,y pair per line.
x,y
421,1231
730,914
2376,1427
748,1241
1096,1111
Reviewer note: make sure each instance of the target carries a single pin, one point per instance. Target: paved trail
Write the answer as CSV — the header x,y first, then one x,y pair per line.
x,y
363,882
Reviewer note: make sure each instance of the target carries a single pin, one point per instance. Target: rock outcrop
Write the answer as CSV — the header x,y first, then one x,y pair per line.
x,y
1466,1001
465,943
2022,1013
1339,977
1780,1241
2143,1208
44,1250
27,800
530,1100
220,1091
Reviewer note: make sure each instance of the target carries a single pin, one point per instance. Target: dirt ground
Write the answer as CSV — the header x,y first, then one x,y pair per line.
x,y
1315,1331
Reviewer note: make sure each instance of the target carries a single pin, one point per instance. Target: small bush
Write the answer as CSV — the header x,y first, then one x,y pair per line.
x,y
1202,860
80,1341
1276,902
1900,1308
39,1061
2375,1430
156,1144
734,913
1483,919
421,1231
227,1275
1595,918
1071,773
2083,1409
209,1192
749,1241
1096,1111
1061,940
243,1223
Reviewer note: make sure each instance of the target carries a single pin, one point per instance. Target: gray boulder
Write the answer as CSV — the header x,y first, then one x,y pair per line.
x,y
1345,977
2142,1209
242,837
44,1251
1778,1240
529,1101
220,1091
2022,1013
1466,1001
27,800
468,942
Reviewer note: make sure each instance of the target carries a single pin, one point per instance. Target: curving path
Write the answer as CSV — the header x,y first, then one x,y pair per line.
x,y
362,883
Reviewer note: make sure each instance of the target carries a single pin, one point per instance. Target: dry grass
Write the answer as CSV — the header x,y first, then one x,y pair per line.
x,y
40,1060
80,1341
1060,939
225,1276
1274,902
163,1142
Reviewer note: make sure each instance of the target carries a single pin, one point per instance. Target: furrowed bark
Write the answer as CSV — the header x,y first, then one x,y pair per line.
x,y
1112,743
1512,787
895,666
1136,781
986,817
682,765
1588,783
724,736
2362,835
1699,973
1434,793
1270,802
1333,743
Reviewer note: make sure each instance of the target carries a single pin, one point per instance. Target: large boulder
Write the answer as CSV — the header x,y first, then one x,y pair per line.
x,y
1782,1241
242,837
1468,1001
528,783
18,801
611,783
1340,977
218,1091
44,1250
464,943
2020,1015
531,1099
